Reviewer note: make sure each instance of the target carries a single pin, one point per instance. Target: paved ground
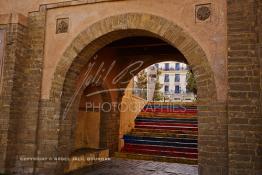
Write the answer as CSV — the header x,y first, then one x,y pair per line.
x,y
138,167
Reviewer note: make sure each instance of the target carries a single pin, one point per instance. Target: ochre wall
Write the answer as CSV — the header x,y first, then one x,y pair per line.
x,y
88,123
24,6
127,117
211,36
87,134
87,130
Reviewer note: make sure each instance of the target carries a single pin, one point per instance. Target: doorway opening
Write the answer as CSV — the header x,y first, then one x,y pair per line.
x,y
107,96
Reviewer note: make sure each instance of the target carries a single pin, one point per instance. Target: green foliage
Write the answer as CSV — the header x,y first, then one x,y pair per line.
x,y
191,82
158,95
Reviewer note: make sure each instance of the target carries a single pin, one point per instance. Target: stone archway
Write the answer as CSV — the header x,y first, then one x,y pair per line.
x,y
212,115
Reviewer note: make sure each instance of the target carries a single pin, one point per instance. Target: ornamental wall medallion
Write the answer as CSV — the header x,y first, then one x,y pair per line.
x,y
62,25
203,13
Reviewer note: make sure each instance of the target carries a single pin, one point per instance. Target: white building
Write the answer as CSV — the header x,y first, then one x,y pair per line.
x,y
173,78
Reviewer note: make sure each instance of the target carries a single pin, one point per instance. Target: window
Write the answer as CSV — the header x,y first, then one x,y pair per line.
x,y
177,66
166,66
177,78
157,66
166,78
166,89
177,89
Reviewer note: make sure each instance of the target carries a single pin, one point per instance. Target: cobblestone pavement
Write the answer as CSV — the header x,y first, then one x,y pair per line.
x,y
139,167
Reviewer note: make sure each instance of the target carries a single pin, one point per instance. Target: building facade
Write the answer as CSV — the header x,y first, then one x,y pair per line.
x,y
173,77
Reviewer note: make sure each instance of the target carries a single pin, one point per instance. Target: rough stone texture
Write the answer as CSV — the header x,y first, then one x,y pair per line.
x,y
259,22
5,101
139,167
212,139
15,52
244,103
24,115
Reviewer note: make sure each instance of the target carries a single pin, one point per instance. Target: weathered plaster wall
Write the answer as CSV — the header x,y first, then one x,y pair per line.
x,y
211,36
87,130
24,6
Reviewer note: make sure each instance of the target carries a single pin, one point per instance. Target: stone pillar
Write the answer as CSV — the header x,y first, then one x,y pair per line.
x,y
13,51
244,102
26,96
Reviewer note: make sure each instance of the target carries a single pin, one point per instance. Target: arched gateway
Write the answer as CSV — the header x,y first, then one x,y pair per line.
x,y
46,46
113,28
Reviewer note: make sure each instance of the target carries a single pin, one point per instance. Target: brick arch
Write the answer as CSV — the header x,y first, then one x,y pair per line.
x,y
112,28
103,32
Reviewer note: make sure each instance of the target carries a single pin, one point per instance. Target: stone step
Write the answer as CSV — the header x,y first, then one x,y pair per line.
x,y
167,115
164,134
170,124
160,148
161,143
159,127
156,158
160,139
162,119
170,110
169,106
172,103
163,131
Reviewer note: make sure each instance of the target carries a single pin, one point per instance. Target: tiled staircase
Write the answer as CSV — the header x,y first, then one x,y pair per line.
x,y
163,132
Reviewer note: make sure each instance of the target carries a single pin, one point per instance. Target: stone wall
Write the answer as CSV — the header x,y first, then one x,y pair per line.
x,y
24,112
14,54
244,102
5,95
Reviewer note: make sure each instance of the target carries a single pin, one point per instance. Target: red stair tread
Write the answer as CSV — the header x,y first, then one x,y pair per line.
x,y
166,124
167,127
160,148
167,115
161,130
159,134
148,128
